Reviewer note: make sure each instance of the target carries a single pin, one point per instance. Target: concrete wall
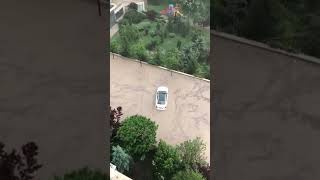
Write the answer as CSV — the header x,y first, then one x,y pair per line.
x,y
266,119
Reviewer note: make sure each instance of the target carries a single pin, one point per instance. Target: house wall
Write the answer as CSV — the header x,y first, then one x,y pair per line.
x,y
266,119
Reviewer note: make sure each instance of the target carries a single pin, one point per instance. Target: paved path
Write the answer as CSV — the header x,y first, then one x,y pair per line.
x,y
188,114
114,30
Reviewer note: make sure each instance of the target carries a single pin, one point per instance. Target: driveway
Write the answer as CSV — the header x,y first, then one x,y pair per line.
x,y
133,87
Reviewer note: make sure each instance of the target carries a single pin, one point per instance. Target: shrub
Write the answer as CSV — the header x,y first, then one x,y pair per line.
x,y
15,166
203,71
156,60
191,153
188,175
172,59
172,35
153,33
115,47
134,16
137,135
166,161
138,51
151,15
128,34
83,174
120,159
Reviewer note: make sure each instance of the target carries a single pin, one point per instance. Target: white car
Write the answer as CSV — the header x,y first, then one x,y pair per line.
x,y
162,98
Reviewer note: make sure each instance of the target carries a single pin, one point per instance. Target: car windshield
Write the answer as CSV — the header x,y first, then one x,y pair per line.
x,y
161,97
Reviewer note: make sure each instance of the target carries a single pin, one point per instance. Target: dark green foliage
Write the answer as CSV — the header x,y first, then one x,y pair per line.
x,y
166,161
83,174
153,33
188,175
128,34
179,44
17,166
172,59
137,135
189,59
157,58
138,51
120,159
133,6
115,47
178,25
289,25
134,16
152,15
203,71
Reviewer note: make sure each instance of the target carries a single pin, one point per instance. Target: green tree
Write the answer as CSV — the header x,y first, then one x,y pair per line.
x,y
120,159
137,135
138,51
172,59
189,59
166,161
128,34
188,175
192,153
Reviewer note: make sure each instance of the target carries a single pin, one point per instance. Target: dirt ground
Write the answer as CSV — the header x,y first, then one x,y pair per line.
x,y
133,87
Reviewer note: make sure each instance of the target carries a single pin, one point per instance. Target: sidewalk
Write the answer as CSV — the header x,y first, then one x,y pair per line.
x,y
114,30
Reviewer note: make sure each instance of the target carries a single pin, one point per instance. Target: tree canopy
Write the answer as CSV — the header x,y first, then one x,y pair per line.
x,y
290,25
137,135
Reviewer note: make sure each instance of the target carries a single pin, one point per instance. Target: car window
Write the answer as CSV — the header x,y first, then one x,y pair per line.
x,y
162,96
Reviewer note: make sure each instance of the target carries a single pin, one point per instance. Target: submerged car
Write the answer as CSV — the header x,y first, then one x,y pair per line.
x,y
162,98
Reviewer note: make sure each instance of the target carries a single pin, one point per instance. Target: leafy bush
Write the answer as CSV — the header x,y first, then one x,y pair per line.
x,y
137,135
115,47
123,22
14,166
172,59
83,174
189,59
156,60
134,17
153,33
172,35
128,34
203,71
151,15
188,175
166,161
178,26
138,51
120,159
153,43
191,153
